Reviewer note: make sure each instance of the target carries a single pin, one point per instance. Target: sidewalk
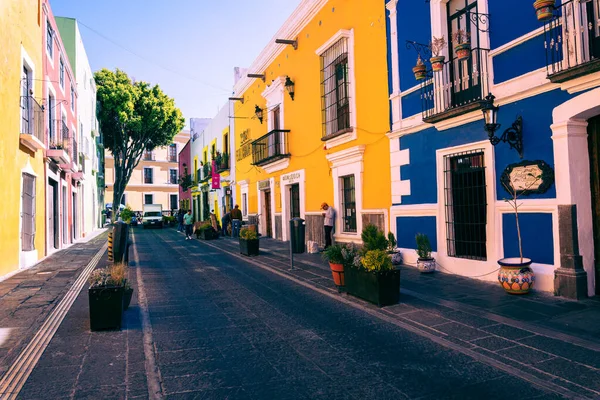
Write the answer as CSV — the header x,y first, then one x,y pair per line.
x,y
548,337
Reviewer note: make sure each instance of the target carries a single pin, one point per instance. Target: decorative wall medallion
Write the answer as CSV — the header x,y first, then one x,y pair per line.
x,y
528,177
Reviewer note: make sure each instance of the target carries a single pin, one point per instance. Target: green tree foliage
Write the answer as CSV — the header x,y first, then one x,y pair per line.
x,y
133,116
373,238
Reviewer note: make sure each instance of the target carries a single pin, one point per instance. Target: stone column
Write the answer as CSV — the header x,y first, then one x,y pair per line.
x,y
570,279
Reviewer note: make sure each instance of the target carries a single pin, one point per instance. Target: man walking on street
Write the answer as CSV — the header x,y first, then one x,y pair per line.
x,y
180,220
188,223
236,221
328,222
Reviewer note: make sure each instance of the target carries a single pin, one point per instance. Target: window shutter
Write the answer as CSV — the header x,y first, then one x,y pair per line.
x,y
28,213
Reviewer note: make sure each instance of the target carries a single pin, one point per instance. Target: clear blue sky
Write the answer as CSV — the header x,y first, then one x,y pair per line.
x,y
200,40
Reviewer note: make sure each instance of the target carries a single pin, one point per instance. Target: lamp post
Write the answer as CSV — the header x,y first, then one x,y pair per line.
x,y
513,135
259,113
290,86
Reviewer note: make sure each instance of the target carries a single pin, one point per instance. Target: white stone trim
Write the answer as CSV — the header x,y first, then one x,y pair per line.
x,y
28,259
276,165
274,95
460,120
285,199
26,61
392,6
582,83
516,42
262,216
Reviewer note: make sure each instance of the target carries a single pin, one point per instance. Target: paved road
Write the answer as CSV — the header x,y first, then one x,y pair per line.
x,y
223,328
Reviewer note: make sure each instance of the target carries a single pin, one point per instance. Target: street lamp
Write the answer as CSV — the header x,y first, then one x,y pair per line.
x,y
259,113
513,135
290,86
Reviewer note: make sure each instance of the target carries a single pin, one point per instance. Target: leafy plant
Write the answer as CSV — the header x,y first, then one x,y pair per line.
x,y
437,45
460,37
334,254
248,234
185,181
127,214
351,255
377,260
423,246
113,275
373,238
391,242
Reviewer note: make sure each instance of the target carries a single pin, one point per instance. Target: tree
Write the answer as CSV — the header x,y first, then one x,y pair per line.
x,y
133,117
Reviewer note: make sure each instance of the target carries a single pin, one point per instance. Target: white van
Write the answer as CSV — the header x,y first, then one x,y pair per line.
x,y
152,217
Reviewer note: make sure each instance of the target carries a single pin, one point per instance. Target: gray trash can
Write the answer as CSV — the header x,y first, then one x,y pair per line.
x,y
297,235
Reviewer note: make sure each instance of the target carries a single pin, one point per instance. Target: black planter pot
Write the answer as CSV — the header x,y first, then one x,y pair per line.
x,y
106,307
381,288
127,295
249,247
207,234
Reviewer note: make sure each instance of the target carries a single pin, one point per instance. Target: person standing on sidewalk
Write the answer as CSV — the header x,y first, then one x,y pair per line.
x,y
236,221
225,222
180,215
188,223
328,222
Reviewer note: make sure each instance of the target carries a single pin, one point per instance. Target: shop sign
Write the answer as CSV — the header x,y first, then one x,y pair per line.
x,y
216,177
528,177
292,178
264,185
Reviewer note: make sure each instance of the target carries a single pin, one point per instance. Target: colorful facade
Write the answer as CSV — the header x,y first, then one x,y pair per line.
x,y
311,128
154,180
22,138
448,165
185,195
213,169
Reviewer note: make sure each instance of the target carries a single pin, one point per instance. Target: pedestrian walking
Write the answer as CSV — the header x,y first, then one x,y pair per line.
x,y
328,222
188,223
236,221
180,215
225,223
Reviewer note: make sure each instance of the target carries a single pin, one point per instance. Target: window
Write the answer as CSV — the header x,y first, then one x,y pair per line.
x,y
62,73
465,204
173,152
295,201
173,201
226,143
26,100
28,213
49,38
148,155
276,114
335,98
348,203
51,122
173,176
244,204
148,176
212,151
72,98
148,199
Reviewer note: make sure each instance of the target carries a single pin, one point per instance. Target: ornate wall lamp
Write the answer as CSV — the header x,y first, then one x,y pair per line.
x,y
259,113
513,135
290,86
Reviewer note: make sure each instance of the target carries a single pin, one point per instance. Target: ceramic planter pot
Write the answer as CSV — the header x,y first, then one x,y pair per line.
x,y
337,271
426,265
420,71
516,277
544,9
396,258
437,63
463,51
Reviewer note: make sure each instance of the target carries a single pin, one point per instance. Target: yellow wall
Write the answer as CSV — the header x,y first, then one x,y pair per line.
x,y
303,116
20,25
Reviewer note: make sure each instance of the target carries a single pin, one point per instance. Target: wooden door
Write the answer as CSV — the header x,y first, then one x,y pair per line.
x,y
267,194
594,149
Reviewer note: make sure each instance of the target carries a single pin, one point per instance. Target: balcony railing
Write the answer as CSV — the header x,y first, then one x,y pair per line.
x,y
59,136
32,118
149,157
271,147
206,172
222,162
198,175
572,40
74,153
172,158
457,89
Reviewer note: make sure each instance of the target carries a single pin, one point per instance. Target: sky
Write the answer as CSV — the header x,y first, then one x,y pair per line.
x,y
188,47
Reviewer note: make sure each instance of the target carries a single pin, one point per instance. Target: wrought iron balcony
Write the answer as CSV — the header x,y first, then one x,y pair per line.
x,y
572,40
271,147
223,162
59,146
172,158
32,123
457,88
149,156
206,172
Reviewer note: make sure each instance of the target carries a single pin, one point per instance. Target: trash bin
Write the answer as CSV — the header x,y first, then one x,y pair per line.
x,y
297,235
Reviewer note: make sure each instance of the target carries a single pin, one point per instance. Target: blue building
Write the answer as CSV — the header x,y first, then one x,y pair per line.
x,y
448,163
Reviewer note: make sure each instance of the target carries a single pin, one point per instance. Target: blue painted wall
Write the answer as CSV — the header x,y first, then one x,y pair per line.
x,y
526,57
408,227
510,19
411,104
414,23
536,234
537,118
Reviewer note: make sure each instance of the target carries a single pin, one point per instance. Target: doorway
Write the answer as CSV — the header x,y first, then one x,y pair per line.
x,y
267,211
74,228
53,215
593,131
65,215
295,201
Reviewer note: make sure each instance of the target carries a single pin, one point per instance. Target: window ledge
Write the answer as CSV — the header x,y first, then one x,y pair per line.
x,y
336,134
338,138
575,72
453,112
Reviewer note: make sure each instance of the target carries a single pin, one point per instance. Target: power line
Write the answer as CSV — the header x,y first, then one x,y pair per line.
x,y
152,61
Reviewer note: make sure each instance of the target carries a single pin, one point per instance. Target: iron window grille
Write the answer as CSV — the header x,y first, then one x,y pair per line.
x,y
148,199
335,93
62,73
244,204
49,38
173,152
28,213
465,205
173,202
72,98
173,176
148,176
148,155
349,203
51,127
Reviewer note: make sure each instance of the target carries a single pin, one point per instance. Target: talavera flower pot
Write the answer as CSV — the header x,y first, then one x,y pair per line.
x,y
516,277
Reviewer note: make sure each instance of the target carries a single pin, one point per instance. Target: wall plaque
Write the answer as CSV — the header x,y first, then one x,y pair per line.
x,y
292,178
264,185
528,177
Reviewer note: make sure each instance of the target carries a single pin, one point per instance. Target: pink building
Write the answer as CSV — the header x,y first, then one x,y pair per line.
x,y
185,197
63,171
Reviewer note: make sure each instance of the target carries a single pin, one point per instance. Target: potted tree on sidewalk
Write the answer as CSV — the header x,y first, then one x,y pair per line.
x,y
106,294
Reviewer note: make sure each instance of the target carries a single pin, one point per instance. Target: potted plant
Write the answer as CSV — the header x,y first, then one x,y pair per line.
x,y
205,231
394,253
515,274
462,44
425,263
373,238
333,254
249,242
106,291
436,46
544,9
372,277
420,70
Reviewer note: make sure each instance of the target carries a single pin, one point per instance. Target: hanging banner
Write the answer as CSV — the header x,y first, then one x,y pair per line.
x,y
216,177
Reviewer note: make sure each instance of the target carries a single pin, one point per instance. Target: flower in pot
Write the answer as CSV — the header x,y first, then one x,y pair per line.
x,y
515,274
374,278
425,263
544,9
462,44
420,70
205,231
436,46
394,253
333,254
249,242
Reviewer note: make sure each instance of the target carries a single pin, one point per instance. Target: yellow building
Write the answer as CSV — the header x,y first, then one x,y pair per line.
x,y
311,119
154,180
22,143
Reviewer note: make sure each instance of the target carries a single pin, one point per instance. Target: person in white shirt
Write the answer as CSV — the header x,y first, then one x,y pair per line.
x,y
328,222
